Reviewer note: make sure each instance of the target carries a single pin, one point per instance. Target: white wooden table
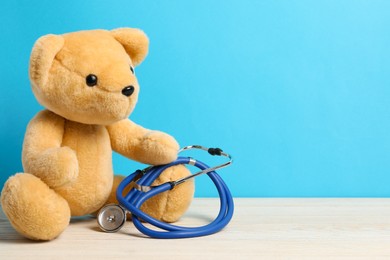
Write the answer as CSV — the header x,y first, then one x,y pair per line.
x,y
261,229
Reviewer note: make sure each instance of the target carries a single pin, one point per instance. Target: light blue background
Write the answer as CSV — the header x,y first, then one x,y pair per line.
x,y
297,91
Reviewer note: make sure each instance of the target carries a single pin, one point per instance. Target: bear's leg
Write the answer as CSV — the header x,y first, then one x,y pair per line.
x,y
34,210
170,205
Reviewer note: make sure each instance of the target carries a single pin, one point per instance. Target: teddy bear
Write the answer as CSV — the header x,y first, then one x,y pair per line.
x,y
86,82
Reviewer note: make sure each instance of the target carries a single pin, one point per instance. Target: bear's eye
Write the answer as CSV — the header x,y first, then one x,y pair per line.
x,y
91,80
132,69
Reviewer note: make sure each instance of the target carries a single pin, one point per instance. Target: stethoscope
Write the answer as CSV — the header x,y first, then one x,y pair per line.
x,y
112,217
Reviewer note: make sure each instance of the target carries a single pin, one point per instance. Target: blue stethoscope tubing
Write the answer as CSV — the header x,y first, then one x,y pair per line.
x,y
134,199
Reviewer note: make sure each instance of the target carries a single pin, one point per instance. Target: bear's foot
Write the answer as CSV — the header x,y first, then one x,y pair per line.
x,y
34,210
170,205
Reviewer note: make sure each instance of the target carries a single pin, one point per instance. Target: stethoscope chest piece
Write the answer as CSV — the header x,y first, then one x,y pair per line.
x,y
111,217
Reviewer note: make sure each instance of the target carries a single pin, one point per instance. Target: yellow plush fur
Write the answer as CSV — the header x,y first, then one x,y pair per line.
x,y
67,150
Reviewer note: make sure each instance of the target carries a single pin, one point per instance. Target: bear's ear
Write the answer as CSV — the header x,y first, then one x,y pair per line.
x,y
135,42
42,56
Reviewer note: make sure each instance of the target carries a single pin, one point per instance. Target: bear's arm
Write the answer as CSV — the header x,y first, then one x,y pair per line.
x,y
142,145
42,153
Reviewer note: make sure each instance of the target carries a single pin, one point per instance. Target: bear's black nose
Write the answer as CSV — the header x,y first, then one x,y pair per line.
x,y
127,91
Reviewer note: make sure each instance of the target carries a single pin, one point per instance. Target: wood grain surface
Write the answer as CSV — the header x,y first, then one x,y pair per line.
x,y
262,228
